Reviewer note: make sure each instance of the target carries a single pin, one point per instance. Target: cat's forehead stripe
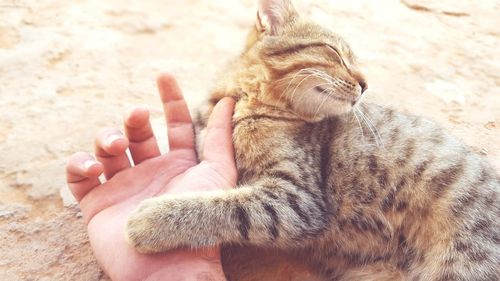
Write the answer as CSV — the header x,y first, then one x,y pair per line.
x,y
295,48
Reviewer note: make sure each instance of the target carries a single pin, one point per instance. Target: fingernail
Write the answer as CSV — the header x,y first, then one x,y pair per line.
x,y
89,163
110,139
141,108
133,109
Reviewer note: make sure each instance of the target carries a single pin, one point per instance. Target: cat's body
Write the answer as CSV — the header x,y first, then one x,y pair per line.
x,y
416,204
322,196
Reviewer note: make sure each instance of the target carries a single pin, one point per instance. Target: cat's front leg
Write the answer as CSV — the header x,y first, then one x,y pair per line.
x,y
170,222
277,215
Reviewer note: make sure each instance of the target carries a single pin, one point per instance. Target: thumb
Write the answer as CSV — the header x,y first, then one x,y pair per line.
x,y
218,144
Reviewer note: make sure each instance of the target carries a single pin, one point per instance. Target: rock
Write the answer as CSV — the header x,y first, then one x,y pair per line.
x,y
13,210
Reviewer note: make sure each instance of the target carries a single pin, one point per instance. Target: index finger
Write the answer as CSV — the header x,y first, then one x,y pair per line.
x,y
179,124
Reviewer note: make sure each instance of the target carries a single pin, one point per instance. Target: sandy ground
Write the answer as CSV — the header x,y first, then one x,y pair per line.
x,y
68,68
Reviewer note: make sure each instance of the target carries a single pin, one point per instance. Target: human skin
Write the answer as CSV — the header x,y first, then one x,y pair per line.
x,y
107,205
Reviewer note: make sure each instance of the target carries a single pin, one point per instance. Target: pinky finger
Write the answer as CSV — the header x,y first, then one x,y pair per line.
x,y
82,174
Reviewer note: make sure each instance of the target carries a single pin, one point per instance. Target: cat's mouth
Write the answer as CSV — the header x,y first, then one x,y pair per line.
x,y
331,93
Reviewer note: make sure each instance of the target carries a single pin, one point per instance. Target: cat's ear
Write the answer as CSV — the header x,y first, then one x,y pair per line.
x,y
273,14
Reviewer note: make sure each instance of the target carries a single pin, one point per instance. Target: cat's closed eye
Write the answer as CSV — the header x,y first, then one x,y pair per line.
x,y
337,54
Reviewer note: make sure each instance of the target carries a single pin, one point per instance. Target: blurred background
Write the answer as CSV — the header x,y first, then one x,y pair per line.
x,y
68,68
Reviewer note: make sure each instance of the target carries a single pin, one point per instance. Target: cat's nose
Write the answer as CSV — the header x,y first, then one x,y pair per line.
x,y
363,85
360,78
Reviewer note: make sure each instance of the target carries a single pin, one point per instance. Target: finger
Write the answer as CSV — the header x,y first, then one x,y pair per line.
x,y
82,174
142,141
218,145
110,147
179,124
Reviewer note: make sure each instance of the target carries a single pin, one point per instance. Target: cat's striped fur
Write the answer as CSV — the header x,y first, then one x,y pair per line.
x,y
321,195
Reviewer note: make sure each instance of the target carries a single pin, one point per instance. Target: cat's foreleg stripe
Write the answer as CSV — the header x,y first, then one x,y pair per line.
x,y
241,216
309,208
268,190
301,188
286,177
292,202
273,229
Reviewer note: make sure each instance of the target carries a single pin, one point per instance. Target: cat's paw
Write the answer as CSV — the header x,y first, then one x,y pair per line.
x,y
152,227
171,222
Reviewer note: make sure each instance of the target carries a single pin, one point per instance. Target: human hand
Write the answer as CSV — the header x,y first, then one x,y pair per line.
x,y
106,206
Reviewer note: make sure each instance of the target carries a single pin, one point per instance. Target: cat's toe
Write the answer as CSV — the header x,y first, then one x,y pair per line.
x,y
138,234
142,230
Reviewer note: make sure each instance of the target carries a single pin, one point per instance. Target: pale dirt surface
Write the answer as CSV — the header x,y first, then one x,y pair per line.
x,y
70,67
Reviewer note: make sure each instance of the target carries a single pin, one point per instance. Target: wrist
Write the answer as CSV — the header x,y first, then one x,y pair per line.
x,y
202,265
197,272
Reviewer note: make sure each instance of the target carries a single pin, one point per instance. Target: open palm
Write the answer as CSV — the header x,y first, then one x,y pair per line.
x,y
106,206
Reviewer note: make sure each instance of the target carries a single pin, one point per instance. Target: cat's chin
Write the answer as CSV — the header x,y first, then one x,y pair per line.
x,y
320,112
320,117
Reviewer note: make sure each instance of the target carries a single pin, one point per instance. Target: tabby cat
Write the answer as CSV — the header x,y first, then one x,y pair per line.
x,y
322,195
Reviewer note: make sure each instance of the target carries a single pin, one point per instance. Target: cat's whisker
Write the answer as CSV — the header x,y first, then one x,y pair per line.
x,y
297,74
312,73
363,118
303,96
366,113
330,91
359,123
315,70
324,100
319,73
317,85
323,75
334,92
370,126
289,83
298,85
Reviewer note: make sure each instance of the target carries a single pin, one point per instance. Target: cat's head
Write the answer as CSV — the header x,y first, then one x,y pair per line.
x,y
307,68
